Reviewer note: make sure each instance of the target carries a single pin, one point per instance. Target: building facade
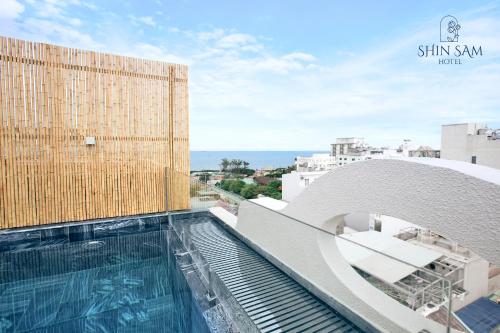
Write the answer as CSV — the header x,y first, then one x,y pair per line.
x,y
344,146
471,142
316,162
424,151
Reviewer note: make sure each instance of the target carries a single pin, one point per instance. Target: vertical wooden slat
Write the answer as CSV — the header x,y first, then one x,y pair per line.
x,y
52,98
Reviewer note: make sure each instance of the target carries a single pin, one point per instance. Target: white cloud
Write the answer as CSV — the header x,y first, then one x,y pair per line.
x,y
300,56
298,99
386,94
50,31
235,40
147,20
75,22
211,35
154,52
11,9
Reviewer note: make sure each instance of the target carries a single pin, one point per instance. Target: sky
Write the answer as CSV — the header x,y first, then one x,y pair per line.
x,y
293,75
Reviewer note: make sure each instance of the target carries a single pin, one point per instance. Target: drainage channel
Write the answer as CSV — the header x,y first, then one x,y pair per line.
x,y
272,300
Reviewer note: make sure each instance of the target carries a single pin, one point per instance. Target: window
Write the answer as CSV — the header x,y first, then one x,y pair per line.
x,y
473,160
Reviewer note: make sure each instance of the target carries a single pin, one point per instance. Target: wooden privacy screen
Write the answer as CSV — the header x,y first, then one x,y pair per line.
x,y
55,100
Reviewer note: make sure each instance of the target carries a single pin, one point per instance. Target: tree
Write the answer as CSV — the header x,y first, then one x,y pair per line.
x,y
245,165
249,191
236,186
225,184
273,189
204,177
224,164
275,184
239,164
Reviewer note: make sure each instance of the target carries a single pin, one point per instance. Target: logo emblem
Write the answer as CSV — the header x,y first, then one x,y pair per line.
x,y
449,29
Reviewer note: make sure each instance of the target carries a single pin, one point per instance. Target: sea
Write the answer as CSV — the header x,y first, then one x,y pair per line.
x,y
210,160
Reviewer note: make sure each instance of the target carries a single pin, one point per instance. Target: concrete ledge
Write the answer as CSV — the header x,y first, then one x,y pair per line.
x,y
229,219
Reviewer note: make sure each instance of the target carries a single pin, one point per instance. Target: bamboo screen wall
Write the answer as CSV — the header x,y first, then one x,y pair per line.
x,y
54,100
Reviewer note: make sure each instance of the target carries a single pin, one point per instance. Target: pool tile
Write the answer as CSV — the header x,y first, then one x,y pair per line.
x,y
42,309
62,280
18,241
78,233
79,285
106,322
54,236
11,311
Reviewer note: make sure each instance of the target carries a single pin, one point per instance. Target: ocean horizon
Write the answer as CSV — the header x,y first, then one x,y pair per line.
x,y
210,160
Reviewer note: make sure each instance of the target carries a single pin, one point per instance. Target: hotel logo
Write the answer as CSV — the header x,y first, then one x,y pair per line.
x,y
450,52
449,29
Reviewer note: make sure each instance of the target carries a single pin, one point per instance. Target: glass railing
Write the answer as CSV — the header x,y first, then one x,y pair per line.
x,y
217,292
429,289
204,195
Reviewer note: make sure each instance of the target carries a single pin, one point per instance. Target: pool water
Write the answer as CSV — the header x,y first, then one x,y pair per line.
x,y
110,277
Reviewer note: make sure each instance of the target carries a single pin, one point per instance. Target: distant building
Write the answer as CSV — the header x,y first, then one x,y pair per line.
x,y
343,151
263,171
317,162
471,142
345,146
369,153
424,151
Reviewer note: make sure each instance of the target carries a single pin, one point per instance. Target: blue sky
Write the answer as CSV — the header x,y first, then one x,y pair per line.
x,y
293,75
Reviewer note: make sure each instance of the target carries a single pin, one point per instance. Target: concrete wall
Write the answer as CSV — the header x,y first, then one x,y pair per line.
x,y
358,221
475,282
458,200
494,284
390,225
460,142
295,182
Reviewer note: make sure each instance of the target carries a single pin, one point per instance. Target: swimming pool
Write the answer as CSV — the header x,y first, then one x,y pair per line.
x,y
185,272
118,276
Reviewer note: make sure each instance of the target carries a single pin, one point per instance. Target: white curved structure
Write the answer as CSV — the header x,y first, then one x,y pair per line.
x,y
458,200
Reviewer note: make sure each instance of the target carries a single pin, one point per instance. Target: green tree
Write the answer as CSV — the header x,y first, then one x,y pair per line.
x,y
275,184
225,184
224,164
236,186
273,189
204,177
249,191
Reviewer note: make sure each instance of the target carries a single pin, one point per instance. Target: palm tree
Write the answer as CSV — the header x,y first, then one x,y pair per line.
x,y
232,165
238,164
245,164
224,164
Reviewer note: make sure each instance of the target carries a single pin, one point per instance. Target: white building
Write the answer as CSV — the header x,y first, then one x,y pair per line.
x,y
295,182
345,146
424,151
317,162
471,142
343,152
369,154
466,269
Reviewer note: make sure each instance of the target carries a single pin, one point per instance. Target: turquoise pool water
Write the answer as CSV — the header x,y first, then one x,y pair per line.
x,y
111,277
